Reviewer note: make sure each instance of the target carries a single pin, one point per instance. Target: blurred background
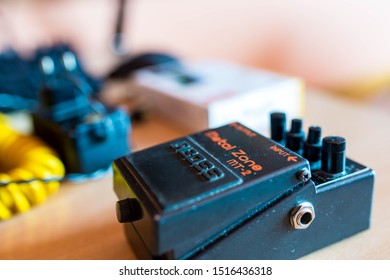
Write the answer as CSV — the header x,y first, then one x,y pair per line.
x,y
342,46
337,47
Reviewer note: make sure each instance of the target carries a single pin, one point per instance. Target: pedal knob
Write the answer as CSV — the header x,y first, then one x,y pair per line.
x,y
295,137
333,154
312,146
278,127
128,210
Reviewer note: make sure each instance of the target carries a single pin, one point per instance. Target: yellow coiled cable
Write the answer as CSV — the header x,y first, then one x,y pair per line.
x,y
29,171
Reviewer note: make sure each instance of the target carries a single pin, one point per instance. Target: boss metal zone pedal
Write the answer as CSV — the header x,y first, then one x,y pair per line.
x,y
231,193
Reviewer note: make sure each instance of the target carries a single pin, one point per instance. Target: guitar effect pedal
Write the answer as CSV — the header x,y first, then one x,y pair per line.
x,y
231,193
86,134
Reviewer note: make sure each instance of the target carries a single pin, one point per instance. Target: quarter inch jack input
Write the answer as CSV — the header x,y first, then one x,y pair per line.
x,y
302,215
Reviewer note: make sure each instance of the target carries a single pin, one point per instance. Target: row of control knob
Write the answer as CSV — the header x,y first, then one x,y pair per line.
x,y
327,155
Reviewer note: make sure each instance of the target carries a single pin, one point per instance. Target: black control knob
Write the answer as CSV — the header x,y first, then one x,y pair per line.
x,y
128,210
278,127
333,155
295,137
312,145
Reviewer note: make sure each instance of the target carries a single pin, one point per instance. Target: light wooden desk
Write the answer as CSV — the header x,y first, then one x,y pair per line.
x,y
79,222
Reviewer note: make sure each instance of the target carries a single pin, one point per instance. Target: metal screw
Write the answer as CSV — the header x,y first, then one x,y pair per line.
x,y
302,215
304,175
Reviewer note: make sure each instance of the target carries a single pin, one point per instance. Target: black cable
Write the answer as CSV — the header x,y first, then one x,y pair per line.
x,y
117,43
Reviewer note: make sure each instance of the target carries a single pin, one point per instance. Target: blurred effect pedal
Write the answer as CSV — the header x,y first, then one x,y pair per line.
x,y
88,143
86,134
231,193
22,78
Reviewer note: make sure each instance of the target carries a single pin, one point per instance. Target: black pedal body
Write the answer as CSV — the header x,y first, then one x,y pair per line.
x,y
231,193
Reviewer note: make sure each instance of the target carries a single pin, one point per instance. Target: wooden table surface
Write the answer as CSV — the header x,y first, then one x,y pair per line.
x,y
79,222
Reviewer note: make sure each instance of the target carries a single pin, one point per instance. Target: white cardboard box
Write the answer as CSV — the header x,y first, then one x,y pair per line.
x,y
206,94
